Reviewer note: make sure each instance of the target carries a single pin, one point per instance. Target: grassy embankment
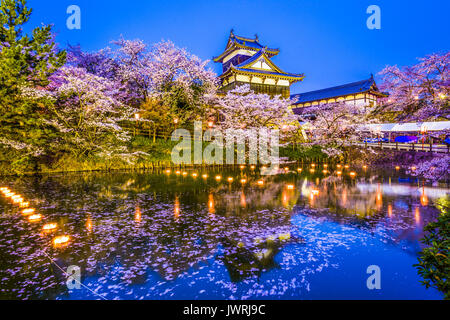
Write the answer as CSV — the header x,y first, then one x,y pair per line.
x,y
158,156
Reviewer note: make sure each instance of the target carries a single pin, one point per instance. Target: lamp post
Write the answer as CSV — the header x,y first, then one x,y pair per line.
x,y
423,131
150,133
137,116
378,132
175,122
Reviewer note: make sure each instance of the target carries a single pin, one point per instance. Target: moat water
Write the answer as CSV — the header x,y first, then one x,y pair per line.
x,y
294,235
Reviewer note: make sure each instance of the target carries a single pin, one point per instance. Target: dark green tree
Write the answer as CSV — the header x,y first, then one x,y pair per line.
x,y
26,62
434,260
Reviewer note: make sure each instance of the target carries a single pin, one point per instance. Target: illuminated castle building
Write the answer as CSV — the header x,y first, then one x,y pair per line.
x,y
246,61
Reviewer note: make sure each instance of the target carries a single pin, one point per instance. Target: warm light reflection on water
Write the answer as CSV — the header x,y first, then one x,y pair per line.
x,y
61,241
89,220
243,200
424,198
231,234
176,209
417,215
211,209
49,227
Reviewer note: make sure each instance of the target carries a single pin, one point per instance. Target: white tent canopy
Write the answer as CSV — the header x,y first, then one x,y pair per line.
x,y
408,127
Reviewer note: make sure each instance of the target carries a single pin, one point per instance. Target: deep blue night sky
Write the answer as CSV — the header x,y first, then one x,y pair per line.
x,y
327,40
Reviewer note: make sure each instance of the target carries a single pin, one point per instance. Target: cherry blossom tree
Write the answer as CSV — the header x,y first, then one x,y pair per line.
x,y
181,80
133,68
104,64
165,82
252,116
171,75
242,108
87,112
419,92
336,126
100,63
436,169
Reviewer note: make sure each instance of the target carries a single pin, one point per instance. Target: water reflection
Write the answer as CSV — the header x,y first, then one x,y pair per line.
x,y
176,209
211,209
243,233
417,215
89,220
137,216
49,227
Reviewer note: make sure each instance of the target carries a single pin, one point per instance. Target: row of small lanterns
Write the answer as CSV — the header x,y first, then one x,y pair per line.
x,y
33,217
206,176
261,182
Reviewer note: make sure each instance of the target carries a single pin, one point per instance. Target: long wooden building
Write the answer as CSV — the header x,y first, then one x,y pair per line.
x,y
363,93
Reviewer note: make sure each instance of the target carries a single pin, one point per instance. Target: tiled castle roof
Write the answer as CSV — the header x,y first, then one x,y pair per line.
x,y
333,92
